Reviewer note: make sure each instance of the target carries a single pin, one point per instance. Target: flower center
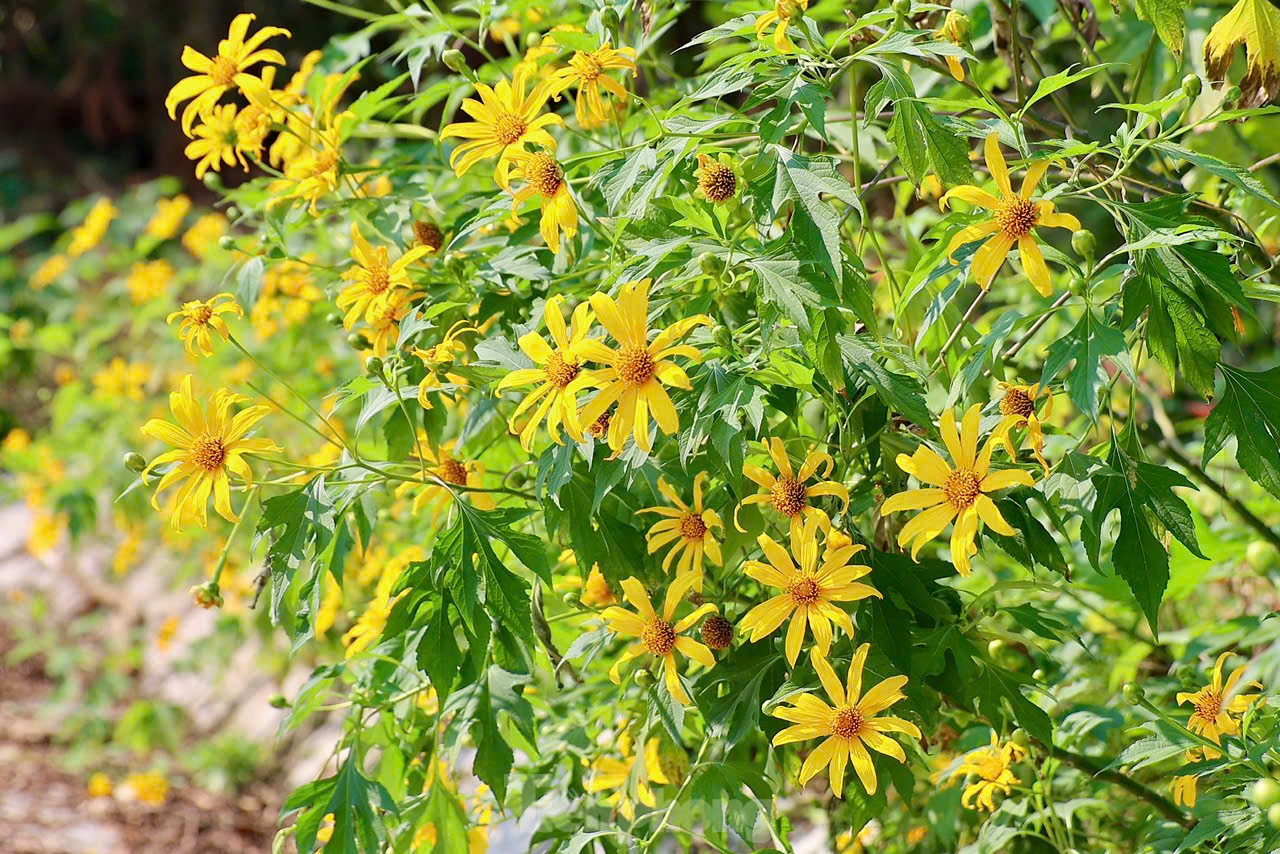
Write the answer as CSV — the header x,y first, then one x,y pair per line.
x,y
717,182
587,66
789,496
508,128
961,488
659,637
847,723
543,174
991,766
428,234
600,426
692,527
323,162
208,452
717,632
452,471
635,365
223,70
1017,216
559,372
202,314
1209,706
1016,401
805,591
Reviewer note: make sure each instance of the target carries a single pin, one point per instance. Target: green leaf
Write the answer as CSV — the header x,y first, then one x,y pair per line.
x,y
901,393
1235,175
355,803
1169,19
300,523
782,284
1249,411
1061,80
1086,346
806,182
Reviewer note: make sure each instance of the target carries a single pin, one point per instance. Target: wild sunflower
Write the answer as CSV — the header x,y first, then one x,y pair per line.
x,y
992,768
1219,706
444,470
544,178
587,70
687,529
636,372
555,399
1018,406
167,219
120,380
89,233
613,774
209,446
717,182
1183,787
1016,216
783,13
225,69
850,724
374,279
959,493
506,120
368,628
659,635
438,356
809,590
955,29
201,316
217,141
384,320
789,492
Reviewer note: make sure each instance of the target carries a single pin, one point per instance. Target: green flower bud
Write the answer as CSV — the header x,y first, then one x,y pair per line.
x,y
643,678
722,337
226,241
533,40
1260,555
333,318
1230,97
1265,793
1020,737
570,598
1191,86
1038,674
374,366
455,61
358,341
1273,816
278,701
901,7
1084,244
207,595
134,461
995,647
213,181
1133,693
709,264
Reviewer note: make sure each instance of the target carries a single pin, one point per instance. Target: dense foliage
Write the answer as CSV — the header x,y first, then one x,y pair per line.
x,y
658,428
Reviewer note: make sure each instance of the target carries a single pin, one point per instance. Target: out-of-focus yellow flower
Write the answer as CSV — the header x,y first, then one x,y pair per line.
x,y
121,380
596,592
201,316
46,530
613,774
16,441
99,785
49,271
89,233
150,788
1184,787
205,233
325,831
587,70
149,280
126,554
369,627
168,217
164,636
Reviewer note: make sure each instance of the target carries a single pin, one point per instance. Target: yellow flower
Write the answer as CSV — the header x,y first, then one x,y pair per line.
x,y
440,355
1018,406
991,766
127,552
613,774
225,69
217,141
638,370
1218,706
659,635
200,316
1183,787
596,592
167,219
374,619
148,280
121,380
545,179
784,11
717,182
164,636
1255,24
208,446
99,785
374,279
955,29
559,376
959,493
205,234
664,762
384,317
1016,216
506,120
150,788
89,233
687,529
49,271
808,590
444,470
850,724
790,493
16,441
586,70
46,530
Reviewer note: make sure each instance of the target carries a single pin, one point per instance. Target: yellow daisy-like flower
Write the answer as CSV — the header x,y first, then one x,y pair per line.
x,y
850,724
447,470
613,773
209,446
960,492
783,13
217,141
1016,216
49,272
149,280
506,120
545,179
686,528
1218,705
717,182
955,29
121,380
215,75
991,765
587,70
374,279
438,356
1018,406
790,493
596,592
1183,788
638,370
204,234
167,219
559,376
89,233
665,763
200,316
809,590
659,634
368,628
150,788
384,318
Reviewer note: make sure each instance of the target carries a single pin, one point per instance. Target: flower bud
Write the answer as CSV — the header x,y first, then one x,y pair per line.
x,y
717,632
1191,85
1265,793
570,598
374,366
358,341
1084,244
1020,737
643,678
901,7
1230,97
1273,816
995,647
278,701
709,264
533,40
333,318
207,595
226,241
1133,693
455,61
134,461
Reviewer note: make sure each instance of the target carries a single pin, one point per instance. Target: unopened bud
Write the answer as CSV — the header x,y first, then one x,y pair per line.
x,y
455,61
1084,244
1191,85
207,595
358,341
134,461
